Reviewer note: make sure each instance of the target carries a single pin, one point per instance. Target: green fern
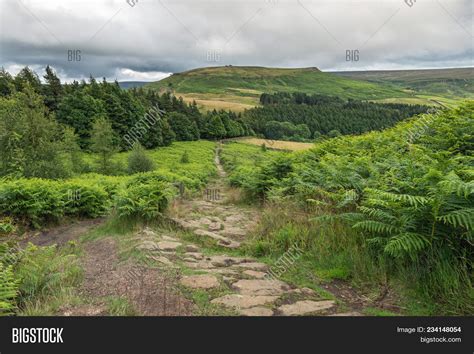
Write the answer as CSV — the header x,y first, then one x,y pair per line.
x,y
459,218
406,244
8,290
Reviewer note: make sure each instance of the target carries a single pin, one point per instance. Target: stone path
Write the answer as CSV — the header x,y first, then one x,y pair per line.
x,y
238,284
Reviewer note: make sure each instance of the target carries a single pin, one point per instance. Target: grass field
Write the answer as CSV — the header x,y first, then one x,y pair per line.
x,y
276,144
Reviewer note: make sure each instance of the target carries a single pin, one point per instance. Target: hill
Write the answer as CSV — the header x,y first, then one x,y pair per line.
x,y
442,85
239,87
130,84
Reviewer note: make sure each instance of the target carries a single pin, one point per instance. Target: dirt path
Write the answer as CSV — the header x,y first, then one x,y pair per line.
x,y
243,284
188,269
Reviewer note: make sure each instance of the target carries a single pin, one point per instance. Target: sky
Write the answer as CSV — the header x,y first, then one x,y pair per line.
x,y
146,40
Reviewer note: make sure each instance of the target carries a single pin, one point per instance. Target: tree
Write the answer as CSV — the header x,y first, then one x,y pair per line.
x,y
73,150
184,157
183,127
334,133
79,110
30,139
138,161
26,77
214,128
103,144
7,85
52,90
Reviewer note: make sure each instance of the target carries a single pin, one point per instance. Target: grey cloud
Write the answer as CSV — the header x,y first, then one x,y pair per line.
x,y
168,36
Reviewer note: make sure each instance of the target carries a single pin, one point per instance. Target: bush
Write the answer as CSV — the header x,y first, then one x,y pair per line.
x,y
184,157
138,161
37,201
145,200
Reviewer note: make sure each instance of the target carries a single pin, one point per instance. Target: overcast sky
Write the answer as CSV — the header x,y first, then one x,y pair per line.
x,y
153,38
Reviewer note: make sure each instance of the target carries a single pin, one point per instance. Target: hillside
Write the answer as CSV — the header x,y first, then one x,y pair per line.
x,y
437,84
239,87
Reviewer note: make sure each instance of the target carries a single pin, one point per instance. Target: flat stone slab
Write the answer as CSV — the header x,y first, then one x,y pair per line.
x,y
234,231
191,248
304,307
255,274
257,311
260,287
225,261
148,232
195,255
243,301
212,235
200,264
162,260
168,238
148,246
215,226
253,266
229,244
168,245
202,281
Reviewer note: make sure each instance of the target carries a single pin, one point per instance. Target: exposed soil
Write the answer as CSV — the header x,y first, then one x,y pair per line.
x,y
62,234
149,291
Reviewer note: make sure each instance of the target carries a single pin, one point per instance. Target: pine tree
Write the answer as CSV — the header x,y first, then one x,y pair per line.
x,y
103,144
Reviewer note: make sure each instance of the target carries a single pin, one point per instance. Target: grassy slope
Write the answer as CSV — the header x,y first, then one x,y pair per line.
x,y
238,87
443,85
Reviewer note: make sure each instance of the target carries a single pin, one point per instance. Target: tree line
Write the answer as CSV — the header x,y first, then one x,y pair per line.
x,y
45,126
301,117
80,104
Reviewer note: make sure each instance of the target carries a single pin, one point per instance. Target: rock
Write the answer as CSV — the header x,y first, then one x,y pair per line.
x,y
168,238
260,287
212,235
190,259
304,291
148,232
185,224
148,246
214,226
234,218
253,266
232,231
191,248
199,265
229,244
229,271
225,261
202,281
304,307
164,260
168,245
243,301
195,255
257,311
255,274
161,259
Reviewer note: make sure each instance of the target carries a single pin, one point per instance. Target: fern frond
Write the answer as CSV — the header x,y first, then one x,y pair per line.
x,y
457,218
406,244
374,226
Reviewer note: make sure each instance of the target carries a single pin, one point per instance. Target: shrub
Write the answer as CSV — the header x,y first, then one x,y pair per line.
x,y
144,200
184,157
38,201
138,161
